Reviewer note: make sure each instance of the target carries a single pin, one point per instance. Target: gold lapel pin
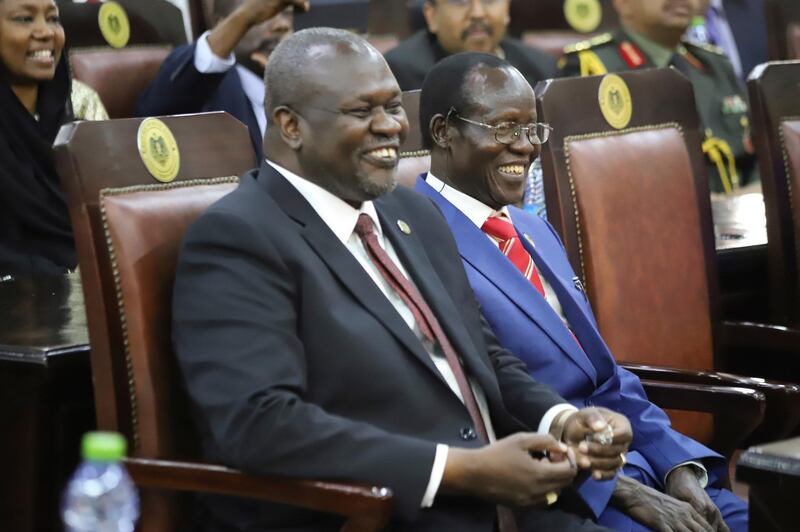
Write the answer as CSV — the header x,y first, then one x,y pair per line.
x,y
404,227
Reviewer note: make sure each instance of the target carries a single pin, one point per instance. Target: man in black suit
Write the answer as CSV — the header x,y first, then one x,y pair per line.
x,y
464,26
325,327
224,68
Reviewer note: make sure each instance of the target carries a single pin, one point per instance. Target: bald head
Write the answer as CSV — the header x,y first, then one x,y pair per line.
x,y
299,66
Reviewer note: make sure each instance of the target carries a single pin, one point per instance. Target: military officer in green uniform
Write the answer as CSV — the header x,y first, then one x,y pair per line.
x,y
651,37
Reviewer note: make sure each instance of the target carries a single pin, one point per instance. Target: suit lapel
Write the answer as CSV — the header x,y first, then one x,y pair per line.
x,y
478,251
342,263
411,252
593,345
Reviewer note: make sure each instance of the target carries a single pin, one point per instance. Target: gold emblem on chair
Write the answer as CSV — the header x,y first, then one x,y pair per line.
x,y
583,15
114,25
615,101
158,150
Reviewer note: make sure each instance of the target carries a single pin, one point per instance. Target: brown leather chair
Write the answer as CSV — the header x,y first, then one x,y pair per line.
x,y
151,22
632,208
543,24
775,110
663,386
414,158
783,17
119,76
128,229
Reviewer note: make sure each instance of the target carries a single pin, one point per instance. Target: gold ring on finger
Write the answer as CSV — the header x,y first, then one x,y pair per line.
x,y
623,459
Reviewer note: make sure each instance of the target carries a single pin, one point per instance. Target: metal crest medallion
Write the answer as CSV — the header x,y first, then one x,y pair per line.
x,y
114,24
158,150
615,101
583,15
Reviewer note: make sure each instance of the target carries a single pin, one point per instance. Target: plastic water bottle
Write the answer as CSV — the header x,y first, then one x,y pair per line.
x,y
533,199
100,496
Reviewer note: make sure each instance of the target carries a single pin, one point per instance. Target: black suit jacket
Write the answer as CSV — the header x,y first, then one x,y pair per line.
x,y
298,365
411,60
179,88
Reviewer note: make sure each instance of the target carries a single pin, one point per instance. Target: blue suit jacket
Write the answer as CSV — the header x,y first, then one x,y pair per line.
x,y
179,88
526,325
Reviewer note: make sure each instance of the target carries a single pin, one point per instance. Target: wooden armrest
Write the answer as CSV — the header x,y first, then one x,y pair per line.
x,y
782,415
368,508
738,411
761,336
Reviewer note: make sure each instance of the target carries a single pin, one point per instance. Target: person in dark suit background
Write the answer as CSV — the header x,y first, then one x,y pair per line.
x,y
739,27
464,26
223,69
474,107
325,328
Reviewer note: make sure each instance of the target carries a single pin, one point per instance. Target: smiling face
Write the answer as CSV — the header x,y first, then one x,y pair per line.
x,y
468,25
351,132
655,17
491,172
31,40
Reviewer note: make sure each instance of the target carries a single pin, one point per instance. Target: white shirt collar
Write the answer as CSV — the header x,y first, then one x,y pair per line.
x,y
252,85
337,214
476,211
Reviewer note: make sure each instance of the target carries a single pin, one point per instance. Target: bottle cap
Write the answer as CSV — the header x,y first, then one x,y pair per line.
x,y
698,20
103,446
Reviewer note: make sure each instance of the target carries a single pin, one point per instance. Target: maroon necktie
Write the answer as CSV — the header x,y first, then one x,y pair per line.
x,y
432,331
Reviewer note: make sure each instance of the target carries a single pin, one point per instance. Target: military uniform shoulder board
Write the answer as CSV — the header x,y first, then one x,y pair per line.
x,y
588,43
704,46
691,58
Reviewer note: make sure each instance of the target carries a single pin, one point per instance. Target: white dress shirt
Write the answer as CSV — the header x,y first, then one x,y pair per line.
x,y
207,62
341,218
478,213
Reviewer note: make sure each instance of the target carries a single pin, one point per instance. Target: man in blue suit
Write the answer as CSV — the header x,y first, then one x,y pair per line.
x,y
478,117
223,69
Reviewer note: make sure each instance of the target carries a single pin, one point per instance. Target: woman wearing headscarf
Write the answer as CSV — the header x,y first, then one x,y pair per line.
x,y
35,86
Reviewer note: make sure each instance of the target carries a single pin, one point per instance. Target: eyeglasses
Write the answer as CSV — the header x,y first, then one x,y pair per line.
x,y
465,3
509,132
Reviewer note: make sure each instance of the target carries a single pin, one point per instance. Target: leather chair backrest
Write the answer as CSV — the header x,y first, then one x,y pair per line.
x,y
527,16
632,207
633,210
793,40
150,21
127,228
774,90
119,76
781,15
389,17
414,158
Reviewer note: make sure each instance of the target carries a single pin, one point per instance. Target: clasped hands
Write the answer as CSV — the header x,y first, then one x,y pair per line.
x,y
599,439
526,469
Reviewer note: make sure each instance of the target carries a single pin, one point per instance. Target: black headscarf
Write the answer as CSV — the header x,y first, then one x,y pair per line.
x,y
35,231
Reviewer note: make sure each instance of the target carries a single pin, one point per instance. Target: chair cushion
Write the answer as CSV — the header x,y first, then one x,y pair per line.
x,y
144,229
790,132
643,173
119,76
